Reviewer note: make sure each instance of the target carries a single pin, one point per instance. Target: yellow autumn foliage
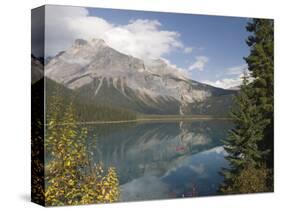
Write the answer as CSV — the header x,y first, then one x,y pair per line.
x,y
70,176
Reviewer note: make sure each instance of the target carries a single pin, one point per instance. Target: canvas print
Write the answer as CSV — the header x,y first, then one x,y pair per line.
x,y
137,105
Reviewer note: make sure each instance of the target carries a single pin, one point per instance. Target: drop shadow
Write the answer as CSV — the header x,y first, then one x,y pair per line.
x,y
25,197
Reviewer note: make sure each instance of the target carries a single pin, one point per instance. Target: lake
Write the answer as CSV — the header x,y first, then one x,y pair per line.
x,y
159,160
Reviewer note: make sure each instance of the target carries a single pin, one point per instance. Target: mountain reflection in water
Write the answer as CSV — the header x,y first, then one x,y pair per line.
x,y
156,160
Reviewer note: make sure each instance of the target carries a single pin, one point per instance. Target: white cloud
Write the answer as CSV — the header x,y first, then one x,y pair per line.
x,y
233,79
183,71
199,63
237,70
188,50
139,38
224,83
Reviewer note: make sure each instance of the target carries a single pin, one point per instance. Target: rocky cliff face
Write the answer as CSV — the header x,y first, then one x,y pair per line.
x,y
100,73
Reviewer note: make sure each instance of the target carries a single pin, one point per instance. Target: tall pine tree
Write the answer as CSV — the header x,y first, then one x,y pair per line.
x,y
250,142
242,141
261,65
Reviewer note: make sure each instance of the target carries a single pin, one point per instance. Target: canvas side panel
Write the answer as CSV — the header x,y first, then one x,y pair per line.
x,y
37,105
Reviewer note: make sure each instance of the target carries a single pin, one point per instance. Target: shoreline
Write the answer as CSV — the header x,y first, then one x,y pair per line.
x,y
159,119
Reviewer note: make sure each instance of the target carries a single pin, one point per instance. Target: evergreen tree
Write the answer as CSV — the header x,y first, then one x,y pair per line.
x,y
250,142
241,144
250,180
260,63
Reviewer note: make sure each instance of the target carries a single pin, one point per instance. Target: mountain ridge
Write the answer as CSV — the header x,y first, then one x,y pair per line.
x,y
106,76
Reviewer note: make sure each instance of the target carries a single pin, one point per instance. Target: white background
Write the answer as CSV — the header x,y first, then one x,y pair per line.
x,y
15,104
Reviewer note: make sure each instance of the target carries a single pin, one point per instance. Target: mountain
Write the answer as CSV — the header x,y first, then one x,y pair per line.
x,y
235,88
37,69
86,111
105,76
46,89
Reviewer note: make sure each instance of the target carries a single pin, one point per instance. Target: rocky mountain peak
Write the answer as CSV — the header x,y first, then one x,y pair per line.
x,y
95,41
101,71
80,42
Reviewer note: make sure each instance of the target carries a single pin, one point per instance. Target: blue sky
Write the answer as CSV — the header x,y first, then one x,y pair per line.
x,y
209,49
221,39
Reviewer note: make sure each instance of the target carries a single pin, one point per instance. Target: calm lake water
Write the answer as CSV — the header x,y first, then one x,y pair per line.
x,y
159,160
